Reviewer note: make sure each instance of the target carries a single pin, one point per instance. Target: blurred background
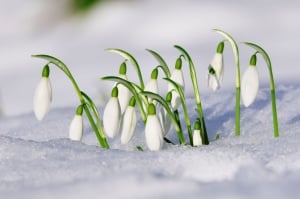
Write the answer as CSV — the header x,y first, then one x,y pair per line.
x,y
78,31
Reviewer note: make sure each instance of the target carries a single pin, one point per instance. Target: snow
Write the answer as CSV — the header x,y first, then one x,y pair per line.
x,y
37,160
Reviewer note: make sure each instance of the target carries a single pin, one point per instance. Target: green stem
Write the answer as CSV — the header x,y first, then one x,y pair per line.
x,y
195,87
129,57
272,84
184,107
235,50
161,61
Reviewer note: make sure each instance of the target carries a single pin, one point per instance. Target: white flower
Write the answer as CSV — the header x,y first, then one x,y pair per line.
x,y
129,122
153,130
152,86
165,120
42,98
124,93
212,80
249,85
197,140
112,114
76,126
216,69
176,76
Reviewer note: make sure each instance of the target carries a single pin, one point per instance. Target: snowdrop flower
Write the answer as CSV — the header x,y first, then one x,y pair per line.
x,y
176,76
163,116
153,130
250,83
76,126
112,114
124,93
152,85
216,69
43,95
197,140
129,122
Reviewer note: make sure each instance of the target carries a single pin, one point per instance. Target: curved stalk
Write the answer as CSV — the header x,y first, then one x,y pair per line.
x,y
238,79
132,89
82,96
129,57
169,111
267,59
161,61
184,107
195,89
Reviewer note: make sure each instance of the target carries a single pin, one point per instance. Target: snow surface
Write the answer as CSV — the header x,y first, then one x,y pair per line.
x,y
37,160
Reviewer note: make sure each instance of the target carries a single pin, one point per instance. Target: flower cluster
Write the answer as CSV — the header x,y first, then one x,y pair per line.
x,y
159,114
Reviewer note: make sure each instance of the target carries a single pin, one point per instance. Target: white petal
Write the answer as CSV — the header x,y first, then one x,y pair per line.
x,y
128,125
124,95
76,128
165,120
218,66
111,117
152,86
249,85
197,141
213,82
42,98
153,133
176,76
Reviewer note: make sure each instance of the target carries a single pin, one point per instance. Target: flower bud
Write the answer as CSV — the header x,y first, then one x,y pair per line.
x,y
76,126
197,140
129,122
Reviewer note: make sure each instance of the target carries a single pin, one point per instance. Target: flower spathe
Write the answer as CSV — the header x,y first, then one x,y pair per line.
x,y
76,126
153,130
176,76
112,115
123,92
250,83
43,95
129,122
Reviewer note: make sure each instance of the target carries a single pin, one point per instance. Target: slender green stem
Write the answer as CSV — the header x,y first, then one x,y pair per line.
x,y
235,50
64,68
163,102
131,87
195,87
272,84
184,107
161,61
129,57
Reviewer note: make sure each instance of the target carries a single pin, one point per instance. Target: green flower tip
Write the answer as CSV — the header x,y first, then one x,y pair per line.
x,y
197,124
132,101
169,97
220,47
154,74
123,69
151,109
79,110
178,63
253,60
46,71
115,92
211,70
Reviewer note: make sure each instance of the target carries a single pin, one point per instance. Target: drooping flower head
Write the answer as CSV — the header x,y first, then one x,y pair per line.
x,y
153,130
43,95
216,68
129,122
152,85
176,76
112,115
124,93
250,83
197,140
76,126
